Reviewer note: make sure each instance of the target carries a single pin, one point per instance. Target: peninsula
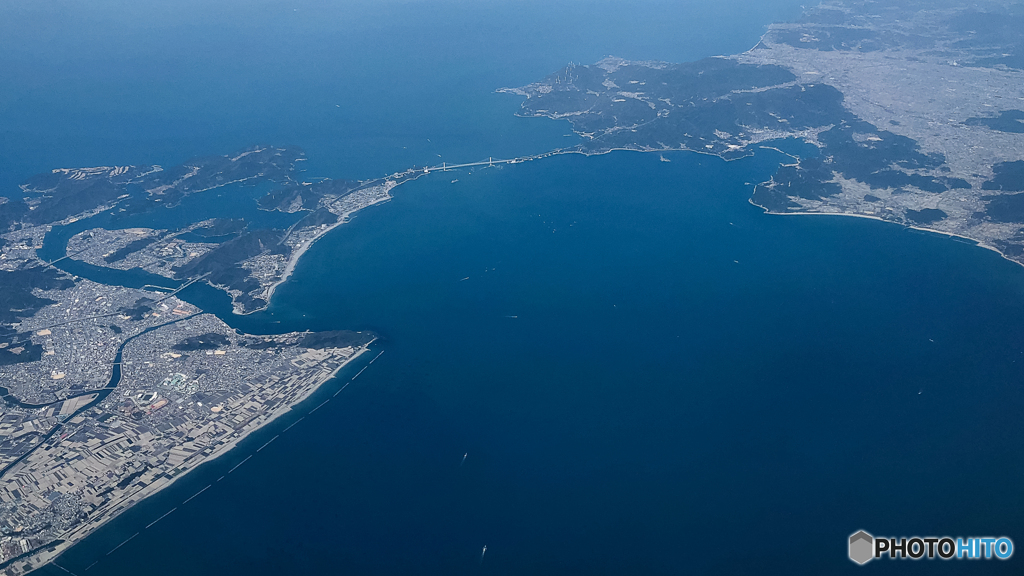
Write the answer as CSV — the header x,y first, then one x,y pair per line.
x,y
914,110
110,392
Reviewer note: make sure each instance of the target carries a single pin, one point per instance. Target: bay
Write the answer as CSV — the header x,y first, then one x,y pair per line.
x,y
647,373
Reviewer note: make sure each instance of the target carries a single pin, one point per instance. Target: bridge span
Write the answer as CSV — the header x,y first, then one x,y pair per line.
x,y
444,166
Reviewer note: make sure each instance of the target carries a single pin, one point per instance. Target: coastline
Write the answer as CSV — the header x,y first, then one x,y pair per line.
x,y
48,556
974,241
293,261
749,153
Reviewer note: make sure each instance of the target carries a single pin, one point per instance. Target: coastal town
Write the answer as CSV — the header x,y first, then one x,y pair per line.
x,y
121,403
112,392
941,149
188,392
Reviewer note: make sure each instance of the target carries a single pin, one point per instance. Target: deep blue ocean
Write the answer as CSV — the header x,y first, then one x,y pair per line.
x,y
648,374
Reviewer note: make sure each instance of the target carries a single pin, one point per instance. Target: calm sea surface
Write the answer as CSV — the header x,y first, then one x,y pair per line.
x,y
649,375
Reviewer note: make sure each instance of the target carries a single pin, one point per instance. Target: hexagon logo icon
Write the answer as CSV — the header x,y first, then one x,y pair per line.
x,y
861,547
